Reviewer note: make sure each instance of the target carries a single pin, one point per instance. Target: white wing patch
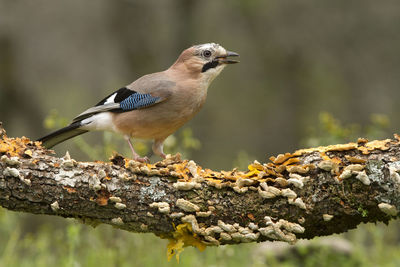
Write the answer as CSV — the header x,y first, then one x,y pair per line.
x,y
99,122
111,99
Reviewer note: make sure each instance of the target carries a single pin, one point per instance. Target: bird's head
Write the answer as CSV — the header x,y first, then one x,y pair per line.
x,y
206,60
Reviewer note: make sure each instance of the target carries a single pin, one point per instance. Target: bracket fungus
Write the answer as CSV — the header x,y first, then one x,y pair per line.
x,y
294,195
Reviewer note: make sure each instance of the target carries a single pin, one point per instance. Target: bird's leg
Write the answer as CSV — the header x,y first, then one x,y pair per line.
x,y
158,147
135,155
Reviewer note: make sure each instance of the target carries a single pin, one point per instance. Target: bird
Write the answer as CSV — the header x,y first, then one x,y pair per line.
x,y
156,105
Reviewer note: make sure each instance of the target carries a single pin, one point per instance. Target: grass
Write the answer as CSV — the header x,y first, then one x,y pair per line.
x,y
38,240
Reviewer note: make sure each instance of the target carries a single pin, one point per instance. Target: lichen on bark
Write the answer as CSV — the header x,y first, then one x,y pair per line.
x,y
311,192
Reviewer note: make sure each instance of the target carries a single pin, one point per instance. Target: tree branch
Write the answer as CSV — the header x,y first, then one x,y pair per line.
x,y
308,193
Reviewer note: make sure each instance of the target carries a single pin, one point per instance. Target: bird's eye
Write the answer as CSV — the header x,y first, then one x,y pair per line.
x,y
207,53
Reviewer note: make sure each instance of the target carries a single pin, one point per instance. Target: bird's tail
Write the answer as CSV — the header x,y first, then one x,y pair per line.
x,y
61,135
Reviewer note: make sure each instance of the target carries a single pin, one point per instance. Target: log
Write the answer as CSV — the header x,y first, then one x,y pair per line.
x,y
308,193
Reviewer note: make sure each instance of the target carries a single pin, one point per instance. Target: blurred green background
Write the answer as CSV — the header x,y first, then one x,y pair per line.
x,y
311,73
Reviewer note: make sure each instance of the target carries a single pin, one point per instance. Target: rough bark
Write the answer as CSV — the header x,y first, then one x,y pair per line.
x,y
308,193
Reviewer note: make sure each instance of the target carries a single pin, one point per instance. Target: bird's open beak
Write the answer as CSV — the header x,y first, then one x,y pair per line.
x,y
225,60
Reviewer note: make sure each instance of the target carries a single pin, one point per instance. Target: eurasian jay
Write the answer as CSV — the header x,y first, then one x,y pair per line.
x,y
155,105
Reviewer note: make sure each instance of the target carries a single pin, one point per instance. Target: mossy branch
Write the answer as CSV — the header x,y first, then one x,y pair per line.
x,y
308,193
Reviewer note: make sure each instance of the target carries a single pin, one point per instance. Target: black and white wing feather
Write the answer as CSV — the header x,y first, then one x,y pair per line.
x,y
122,100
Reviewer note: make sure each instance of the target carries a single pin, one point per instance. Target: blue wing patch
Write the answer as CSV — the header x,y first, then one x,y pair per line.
x,y
137,101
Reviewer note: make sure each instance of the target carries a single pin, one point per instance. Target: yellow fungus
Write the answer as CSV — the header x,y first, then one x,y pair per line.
x,y
355,159
373,145
290,161
182,237
14,146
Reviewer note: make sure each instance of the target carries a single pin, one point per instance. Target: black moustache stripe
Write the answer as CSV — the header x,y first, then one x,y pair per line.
x,y
209,65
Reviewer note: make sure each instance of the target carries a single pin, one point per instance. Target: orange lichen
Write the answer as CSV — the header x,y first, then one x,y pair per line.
x,y
185,171
373,145
102,201
216,181
323,149
126,163
280,181
230,175
69,189
281,158
280,168
251,216
362,140
209,174
181,170
291,161
14,146
269,169
336,160
300,168
355,159
342,147
324,156
28,153
102,197
397,137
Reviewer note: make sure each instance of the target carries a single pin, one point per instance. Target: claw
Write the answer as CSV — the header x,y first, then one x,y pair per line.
x,y
143,160
135,155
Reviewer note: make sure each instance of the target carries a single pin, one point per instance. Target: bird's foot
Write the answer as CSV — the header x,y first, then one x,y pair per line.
x,y
143,160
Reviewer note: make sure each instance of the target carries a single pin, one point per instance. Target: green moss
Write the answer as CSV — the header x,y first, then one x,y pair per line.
x,y
362,211
336,199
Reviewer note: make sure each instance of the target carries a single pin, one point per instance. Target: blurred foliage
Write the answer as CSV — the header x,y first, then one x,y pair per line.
x,y
65,242
242,160
331,131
